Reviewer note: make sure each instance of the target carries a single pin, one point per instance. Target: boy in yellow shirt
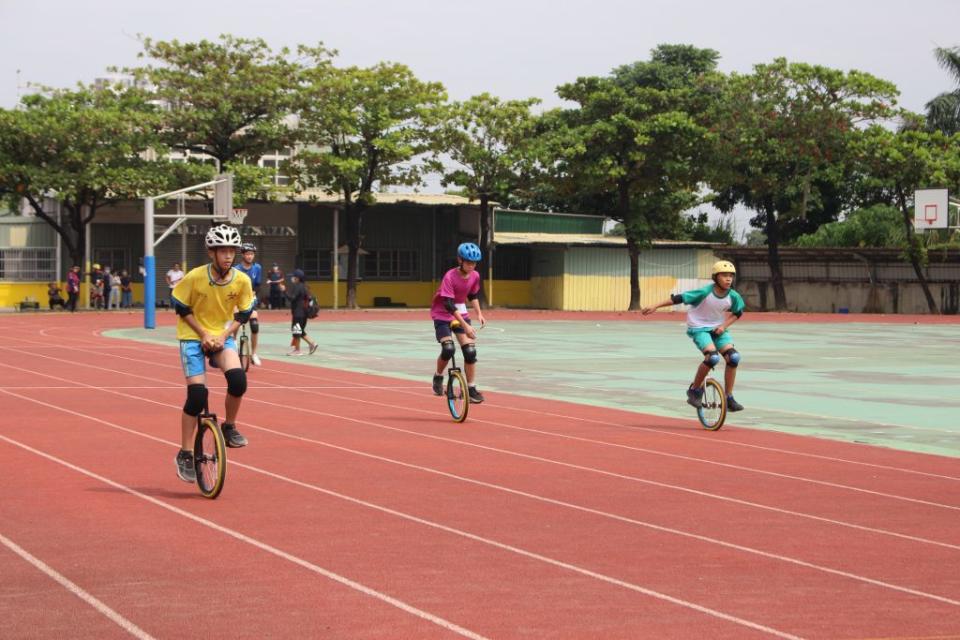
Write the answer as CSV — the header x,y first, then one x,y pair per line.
x,y
211,302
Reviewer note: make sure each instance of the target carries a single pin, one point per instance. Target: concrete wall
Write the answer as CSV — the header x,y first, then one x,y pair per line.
x,y
826,297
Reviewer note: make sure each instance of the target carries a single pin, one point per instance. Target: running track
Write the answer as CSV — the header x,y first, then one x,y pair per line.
x,y
360,511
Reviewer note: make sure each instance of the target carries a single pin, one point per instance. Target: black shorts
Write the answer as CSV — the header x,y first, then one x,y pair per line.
x,y
298,326
442,329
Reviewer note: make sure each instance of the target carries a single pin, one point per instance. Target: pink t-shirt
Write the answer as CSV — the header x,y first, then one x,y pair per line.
x,y
457,287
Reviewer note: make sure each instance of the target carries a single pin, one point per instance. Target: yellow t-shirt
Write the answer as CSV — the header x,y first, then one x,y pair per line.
x,y
213,303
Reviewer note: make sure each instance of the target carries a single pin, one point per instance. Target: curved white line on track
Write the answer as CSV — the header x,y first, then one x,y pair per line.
x,y
76,589
736,547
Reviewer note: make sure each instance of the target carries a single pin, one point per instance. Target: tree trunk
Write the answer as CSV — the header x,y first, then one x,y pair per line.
x,y
913,251
773,257
633,248
486,245
354,220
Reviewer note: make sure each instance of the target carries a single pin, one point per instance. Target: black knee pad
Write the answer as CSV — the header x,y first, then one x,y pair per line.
x,y
236,382
733,358
196,399
711,359
447,350
254,325
469,353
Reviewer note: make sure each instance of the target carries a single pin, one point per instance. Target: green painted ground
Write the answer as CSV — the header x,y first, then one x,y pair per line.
x,y
891,385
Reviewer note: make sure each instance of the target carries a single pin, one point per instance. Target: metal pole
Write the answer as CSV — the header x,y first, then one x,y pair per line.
x,y
182,209
149,268
87,243
335,266
59,246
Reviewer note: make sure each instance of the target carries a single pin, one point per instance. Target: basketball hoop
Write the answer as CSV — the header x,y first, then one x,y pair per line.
x,y
236,216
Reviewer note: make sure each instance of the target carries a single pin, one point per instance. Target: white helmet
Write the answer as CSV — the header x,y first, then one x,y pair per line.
x,y
223,236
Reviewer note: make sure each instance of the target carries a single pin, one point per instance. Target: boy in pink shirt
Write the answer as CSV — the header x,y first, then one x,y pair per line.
x,y
458,286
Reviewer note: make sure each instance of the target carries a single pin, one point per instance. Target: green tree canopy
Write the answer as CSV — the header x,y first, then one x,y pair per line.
x,y
943,112
361,128
877,226
86,147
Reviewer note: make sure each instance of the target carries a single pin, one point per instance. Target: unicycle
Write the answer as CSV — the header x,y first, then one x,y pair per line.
x,y
713,405
457,394
209,455
244,349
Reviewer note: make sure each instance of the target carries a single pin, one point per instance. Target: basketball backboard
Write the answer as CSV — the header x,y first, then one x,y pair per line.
x,y
931,207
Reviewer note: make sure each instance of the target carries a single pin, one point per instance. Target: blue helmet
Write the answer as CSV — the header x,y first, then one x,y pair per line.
x,y
470,251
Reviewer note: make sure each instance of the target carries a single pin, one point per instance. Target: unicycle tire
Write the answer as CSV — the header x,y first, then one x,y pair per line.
x,y
209,458
713,405
458,396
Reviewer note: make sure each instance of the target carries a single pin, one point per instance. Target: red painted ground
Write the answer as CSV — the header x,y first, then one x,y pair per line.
x,y
533,519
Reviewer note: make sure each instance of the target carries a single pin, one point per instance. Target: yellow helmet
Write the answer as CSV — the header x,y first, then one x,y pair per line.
x,y
723,266
96,265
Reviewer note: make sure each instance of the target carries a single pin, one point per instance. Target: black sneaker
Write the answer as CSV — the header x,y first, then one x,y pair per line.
x,y
733,405
438,385
695,397
475,396
233,437
185,468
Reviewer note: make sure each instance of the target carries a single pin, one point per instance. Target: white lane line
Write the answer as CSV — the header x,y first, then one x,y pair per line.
x,y
346,581
76,589
441,622
722,543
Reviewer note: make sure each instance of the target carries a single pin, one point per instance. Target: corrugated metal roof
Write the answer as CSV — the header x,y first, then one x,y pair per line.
x,y
318,195
587,239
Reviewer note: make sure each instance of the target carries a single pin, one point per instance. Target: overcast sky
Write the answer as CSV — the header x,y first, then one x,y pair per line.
x,y
511,48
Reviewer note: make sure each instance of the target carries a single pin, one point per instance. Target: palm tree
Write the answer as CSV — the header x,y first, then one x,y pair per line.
x,y
943,112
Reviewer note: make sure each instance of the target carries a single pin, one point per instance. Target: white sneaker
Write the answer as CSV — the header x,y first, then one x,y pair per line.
x,y
295,352
256,360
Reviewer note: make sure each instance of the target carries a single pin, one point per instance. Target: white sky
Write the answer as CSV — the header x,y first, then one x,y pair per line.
x,y
513,49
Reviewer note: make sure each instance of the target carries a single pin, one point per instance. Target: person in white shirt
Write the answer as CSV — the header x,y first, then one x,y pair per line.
x,y
174,276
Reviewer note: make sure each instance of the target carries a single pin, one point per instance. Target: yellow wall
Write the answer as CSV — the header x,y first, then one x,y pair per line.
x,y
546,292
13,293
511,293
595,293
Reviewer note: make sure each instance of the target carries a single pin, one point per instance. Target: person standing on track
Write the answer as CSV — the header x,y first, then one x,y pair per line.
x,y
459,285
713,309
73,287
298,295
211,302
255,272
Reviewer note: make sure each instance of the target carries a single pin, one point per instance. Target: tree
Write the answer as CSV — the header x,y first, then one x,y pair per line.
x,y
943,112
879,225
87,147
892,165
780,139
487,139
363,127
634,143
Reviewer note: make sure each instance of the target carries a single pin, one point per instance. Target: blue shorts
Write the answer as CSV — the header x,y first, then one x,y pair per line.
x,y
442,328
703,338
192,356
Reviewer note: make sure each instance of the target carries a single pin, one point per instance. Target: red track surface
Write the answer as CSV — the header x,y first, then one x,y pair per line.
x,y
360,510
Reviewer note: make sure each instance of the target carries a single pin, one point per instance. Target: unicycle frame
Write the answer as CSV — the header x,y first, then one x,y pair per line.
x,y
454,373
244,345
711,384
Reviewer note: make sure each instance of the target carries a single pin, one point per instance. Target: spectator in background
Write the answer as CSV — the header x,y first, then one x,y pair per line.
x,y
126,291
113,298
107,286
275,277
73,287
298,294
54,297
174,276
96,287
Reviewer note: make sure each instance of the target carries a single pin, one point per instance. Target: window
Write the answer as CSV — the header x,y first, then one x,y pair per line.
x,y
316,263
28,264
390,264
115,258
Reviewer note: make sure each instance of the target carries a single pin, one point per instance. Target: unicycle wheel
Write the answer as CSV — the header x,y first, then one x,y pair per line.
x,y
713,407
209,458
245,352
458,397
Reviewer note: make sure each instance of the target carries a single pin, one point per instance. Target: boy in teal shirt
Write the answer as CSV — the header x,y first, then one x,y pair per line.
x,y
713,309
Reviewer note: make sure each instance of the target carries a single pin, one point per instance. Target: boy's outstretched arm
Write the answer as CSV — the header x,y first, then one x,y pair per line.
x,y
669,302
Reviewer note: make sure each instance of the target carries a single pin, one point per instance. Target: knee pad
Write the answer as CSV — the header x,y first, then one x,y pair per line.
x,y
196,399
469,353
254,325
447,350
711,359
236,382
733,358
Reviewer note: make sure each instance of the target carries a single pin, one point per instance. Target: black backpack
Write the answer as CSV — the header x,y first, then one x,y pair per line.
x,y
310,304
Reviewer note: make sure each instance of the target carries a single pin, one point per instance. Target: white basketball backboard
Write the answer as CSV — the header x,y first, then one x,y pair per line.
x,y
930,209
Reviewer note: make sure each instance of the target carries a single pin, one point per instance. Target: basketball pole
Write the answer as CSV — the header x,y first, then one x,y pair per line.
x,y
222,207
